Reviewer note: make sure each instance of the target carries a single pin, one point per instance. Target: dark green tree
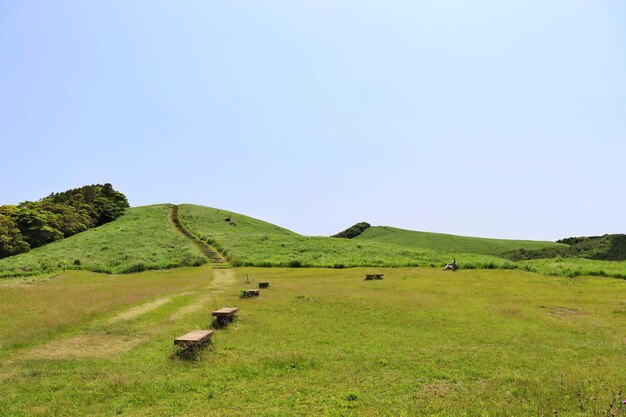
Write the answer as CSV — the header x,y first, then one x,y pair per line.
x,y
11,240
37,225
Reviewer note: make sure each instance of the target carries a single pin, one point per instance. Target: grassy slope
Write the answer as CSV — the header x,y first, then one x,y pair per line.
x,y
448,243
211,222
141,238
256,243
144,239
321,342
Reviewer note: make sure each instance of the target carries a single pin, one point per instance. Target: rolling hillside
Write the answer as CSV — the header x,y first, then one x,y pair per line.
x,y
142,238
250,242
441,242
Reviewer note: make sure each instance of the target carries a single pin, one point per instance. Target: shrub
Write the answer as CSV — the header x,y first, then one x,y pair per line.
x,y
353,231
138,267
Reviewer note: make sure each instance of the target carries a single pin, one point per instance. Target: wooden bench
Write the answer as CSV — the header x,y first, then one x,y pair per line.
x,y
250,293
225,312
225,315
194,339
370,277
264,284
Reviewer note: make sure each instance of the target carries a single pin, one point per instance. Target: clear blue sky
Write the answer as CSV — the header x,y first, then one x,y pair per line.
x,y
485,118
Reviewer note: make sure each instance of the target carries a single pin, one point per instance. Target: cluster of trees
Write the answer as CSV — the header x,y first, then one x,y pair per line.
x,y
32,224
606,247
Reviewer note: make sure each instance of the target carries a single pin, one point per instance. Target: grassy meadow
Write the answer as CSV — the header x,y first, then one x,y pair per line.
x,y
422,342
139,240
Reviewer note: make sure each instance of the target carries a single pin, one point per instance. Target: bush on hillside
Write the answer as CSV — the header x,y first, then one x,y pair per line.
x,y
353,231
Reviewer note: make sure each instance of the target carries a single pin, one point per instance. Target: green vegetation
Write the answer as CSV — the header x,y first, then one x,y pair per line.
x,y
60,215
141,239
449,243
251,242
213,222
575,267
353,231
421,342
607,247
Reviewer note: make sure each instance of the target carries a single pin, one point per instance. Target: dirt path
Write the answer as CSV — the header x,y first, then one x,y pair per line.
x,y
222,278
139,310
210,253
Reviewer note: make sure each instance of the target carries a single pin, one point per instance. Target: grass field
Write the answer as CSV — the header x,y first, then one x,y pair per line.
x,y
140,239
318,342
441,242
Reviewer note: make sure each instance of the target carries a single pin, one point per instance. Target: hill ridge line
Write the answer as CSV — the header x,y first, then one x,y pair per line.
x,y
211,254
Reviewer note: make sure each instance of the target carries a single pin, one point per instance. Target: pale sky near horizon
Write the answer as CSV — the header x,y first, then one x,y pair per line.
x,y
482,118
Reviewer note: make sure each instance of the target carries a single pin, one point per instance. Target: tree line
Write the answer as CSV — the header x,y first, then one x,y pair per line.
x,y
35,223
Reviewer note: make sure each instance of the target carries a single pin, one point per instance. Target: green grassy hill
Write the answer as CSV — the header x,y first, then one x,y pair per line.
x,y
142,238
212,222
441,242
251,242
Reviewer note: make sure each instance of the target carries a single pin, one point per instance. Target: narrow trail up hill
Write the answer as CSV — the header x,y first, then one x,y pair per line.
x,y
211,254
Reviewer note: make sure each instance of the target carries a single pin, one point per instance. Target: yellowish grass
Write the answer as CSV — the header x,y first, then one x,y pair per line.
x,y
31,313
85,346
139,310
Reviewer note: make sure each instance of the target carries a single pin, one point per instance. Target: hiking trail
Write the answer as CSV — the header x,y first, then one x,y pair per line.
x,y
216,259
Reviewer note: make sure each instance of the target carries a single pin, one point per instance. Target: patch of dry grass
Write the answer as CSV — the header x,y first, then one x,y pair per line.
x,y
37,311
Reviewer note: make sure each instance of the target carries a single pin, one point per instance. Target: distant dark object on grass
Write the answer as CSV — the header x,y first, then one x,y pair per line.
x,y
451,267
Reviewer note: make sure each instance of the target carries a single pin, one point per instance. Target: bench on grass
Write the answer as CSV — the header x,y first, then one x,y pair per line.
x,y
264,284
250,293
225,315
194,338
370,277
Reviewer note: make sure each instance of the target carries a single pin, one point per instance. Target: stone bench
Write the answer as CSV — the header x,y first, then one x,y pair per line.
x,y
264,284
